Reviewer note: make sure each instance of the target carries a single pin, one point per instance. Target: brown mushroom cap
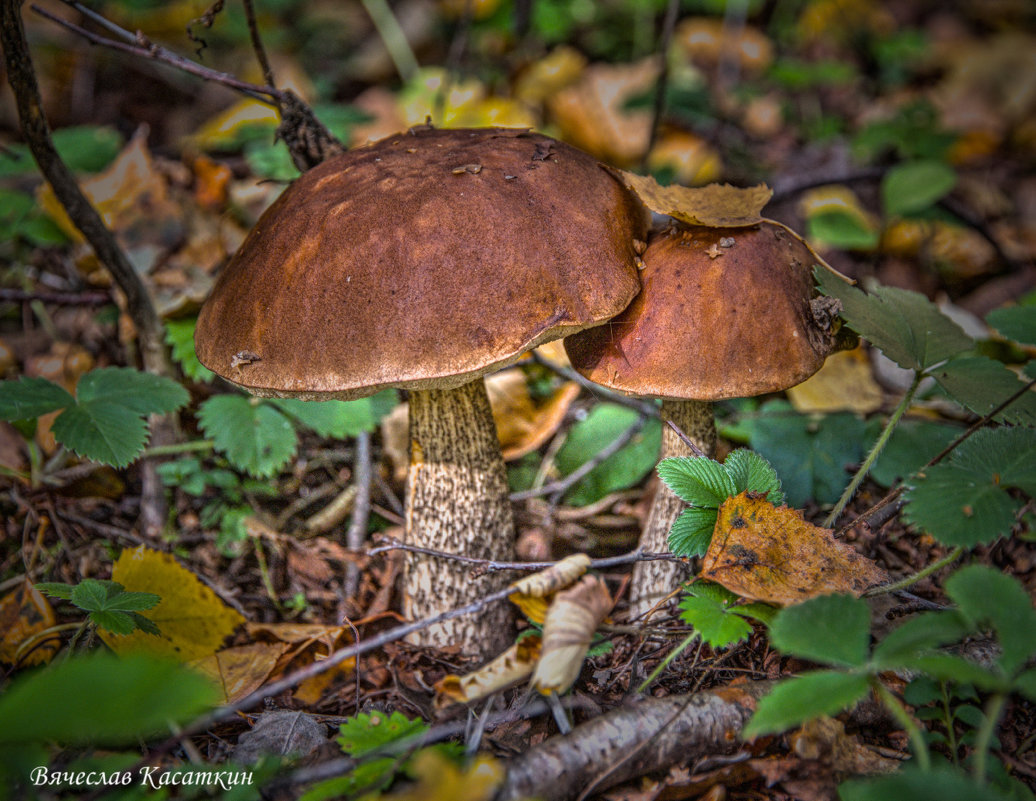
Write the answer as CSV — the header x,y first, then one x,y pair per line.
x,y
421,261
724,313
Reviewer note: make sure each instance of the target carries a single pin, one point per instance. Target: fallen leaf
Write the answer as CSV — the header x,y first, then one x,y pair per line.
x,y
771,554
547,76
707,40
439,779
240,670
568,629
713,206
513,665
523,425
25,613
824,739
193,622
532,593
307,643
844,384
688,158
282,733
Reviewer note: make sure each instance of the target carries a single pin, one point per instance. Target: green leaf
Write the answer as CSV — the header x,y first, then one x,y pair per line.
x,y
750,471
83,148
101,431
947,667
940,783
1003,456
923,633
340,419
714,622
841,230
624,469
983,595
697,480
811,455
145,624
905,325
691,533
915,186
833,629
254,436
957,507
91,594
793,702
27,398
1017,323
1026,684
368,733
179,335
56,589
132,601
912,444
99,699
921,691
115,622
139,392
981,384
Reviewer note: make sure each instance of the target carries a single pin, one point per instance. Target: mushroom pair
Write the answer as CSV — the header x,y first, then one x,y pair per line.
x,y
423,262
723,313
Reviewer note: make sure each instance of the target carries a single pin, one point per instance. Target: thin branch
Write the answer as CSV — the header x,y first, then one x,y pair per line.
x,y
686,440
491,566
646,408
257,43
57,298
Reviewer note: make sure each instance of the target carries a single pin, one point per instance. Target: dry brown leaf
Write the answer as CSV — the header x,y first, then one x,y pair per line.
x,y
25,613
844,383
568,629
714,206
240,670
824,739
532,593
523,425
513,665
307,643
772,554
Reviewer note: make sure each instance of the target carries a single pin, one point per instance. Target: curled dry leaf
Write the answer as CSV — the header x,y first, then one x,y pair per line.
x,y
771,554
513,665
522,424
531,593
714,206
24,614
307,643
569,626
240,670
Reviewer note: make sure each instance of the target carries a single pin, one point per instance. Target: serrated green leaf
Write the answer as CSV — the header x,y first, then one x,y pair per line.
x,y
905,325
1026,684
254,436
1004,456
811,455
912,444
179,335
102,431
692,531
958,507
831,629
922,690
793,702
367,733
715,624
980,385
139,392
983,595
27,398
697,480
712,591
1017,323
90,594
145,624
115,622
99,699
764,613
340,418
84,148
923,633
950,668
132,601
842,230
56,589
605,423
751,472
915,186
940,783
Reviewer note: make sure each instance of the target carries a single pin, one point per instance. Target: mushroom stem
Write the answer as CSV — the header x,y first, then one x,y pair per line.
x,y
456,502
653,581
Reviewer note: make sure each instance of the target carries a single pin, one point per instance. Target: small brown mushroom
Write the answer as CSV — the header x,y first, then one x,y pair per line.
x,y
388,267
724,313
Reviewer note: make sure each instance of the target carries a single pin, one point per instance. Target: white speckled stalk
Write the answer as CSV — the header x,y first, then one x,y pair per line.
x,y
652,581
456,502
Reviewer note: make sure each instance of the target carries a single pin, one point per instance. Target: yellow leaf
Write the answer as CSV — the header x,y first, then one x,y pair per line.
x,y
224,128
439,779
532,594
25,613
522,424
568,629
511,666
692,160
241,670
714,206
844,383
192,620
561,67
771,554
707,40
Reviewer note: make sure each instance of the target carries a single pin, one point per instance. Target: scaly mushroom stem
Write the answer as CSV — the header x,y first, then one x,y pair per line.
x,y
456,502
654,580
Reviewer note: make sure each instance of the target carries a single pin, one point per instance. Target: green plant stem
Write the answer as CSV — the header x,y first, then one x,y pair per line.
x,y
669,658
895,706
875,451
394,38
934,567
194,446
951,733
264,572
994,706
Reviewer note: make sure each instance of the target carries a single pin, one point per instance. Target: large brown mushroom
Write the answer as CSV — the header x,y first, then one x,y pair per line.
x,y
424,261
724,313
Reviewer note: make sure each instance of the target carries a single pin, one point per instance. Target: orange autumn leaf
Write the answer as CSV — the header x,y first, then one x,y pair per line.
x,y
307,643
24,614
771,554
714,206
240,670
